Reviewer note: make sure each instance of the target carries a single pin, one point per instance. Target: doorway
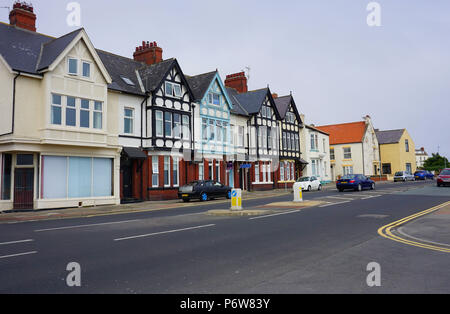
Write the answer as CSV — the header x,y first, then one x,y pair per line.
x,y
23,188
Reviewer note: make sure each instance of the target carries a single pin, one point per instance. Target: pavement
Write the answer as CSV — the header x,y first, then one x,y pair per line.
x,y
87,212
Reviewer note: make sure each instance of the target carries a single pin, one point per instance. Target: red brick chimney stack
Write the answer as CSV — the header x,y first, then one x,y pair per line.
x,y
237,81
148,53
23,16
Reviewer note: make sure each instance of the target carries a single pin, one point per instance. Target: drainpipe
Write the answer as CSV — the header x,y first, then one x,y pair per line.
x,y
13,105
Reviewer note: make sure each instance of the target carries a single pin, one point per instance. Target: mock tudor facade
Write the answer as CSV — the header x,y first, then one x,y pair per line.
x,y
291,164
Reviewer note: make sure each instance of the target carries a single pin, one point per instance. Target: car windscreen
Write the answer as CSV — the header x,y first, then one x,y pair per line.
x,y
304,179
400,173
445,172
194,183
348,177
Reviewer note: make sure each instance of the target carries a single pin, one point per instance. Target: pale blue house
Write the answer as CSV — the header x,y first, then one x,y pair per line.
x,y
213,134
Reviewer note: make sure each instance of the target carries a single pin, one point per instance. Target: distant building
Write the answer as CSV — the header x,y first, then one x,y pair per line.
x,y
421,156
397,152
353,148
315,149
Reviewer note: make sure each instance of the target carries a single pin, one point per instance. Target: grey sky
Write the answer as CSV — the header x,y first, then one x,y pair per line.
x,y
338,68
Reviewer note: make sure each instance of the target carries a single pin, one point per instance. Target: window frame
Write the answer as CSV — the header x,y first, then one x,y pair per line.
x,y
130,119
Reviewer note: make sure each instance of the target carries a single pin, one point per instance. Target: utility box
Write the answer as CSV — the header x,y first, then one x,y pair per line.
x,y
236,199
298,192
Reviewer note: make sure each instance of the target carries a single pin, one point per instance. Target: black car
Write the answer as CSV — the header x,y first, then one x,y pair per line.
x,y
204,190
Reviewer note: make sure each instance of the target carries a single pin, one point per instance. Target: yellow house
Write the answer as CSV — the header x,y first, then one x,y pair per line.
x,y
397,150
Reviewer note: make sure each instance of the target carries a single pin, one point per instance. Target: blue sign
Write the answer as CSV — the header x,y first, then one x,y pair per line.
x,y
234,194
246,166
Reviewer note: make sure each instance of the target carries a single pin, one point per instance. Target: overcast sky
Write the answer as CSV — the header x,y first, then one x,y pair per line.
x,y
338,68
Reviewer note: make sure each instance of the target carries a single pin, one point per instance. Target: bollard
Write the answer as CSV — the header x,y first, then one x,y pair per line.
x,y
236,199
298,193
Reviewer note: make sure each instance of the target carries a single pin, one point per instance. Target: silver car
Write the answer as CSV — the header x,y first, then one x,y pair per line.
x,y
403,176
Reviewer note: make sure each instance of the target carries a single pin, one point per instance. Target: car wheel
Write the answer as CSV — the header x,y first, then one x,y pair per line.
x,y
372,187
320,187
186,200
204,197
404,180
229,195
309,188
359,188
341,190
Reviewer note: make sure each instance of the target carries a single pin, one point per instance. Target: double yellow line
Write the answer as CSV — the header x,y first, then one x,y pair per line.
x,y
386,230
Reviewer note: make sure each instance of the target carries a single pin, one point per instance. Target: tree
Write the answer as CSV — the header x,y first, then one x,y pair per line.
x,y
436,163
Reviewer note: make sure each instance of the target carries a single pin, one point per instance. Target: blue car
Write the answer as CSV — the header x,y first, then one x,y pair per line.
x,y
423,175
356,182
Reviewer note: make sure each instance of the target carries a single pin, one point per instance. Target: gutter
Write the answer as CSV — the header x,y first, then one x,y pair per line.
x,y
13,105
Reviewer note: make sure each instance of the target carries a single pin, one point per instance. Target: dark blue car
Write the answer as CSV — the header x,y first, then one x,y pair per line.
x,y
356,182
423,175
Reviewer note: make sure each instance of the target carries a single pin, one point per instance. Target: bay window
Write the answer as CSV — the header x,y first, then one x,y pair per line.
x,y
56,109
84,113
159,123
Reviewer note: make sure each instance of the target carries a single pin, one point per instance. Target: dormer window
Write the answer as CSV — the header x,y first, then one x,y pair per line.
x,y
73,66
173,90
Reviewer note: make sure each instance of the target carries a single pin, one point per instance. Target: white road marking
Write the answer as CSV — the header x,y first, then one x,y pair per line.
x,y
14,242
371,196
266,216
89,225
19,254
335,204
341,198
163,232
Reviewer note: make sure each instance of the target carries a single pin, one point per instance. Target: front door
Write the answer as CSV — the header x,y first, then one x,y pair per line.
x,y
23,188
127,178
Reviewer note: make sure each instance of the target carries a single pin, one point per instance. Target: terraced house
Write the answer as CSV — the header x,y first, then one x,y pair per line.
x,y
213,133
262,128
58,132
155,106
291,163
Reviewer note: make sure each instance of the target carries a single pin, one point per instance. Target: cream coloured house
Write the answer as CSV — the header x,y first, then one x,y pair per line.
x,y
58,131
353,148
315,150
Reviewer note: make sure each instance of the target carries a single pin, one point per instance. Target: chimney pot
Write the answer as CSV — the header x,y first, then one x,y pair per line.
x,y
23,16
149,53
238,81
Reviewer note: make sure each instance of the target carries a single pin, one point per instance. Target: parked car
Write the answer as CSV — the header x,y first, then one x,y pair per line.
x,y
356,182
403,176
310,183
203,190
443,178
422,175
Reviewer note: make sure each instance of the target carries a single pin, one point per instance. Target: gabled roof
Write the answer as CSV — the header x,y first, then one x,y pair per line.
x,y
389,136
33,53
120,67
200,84
283,104
52,49
153,75
252,101
345,133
